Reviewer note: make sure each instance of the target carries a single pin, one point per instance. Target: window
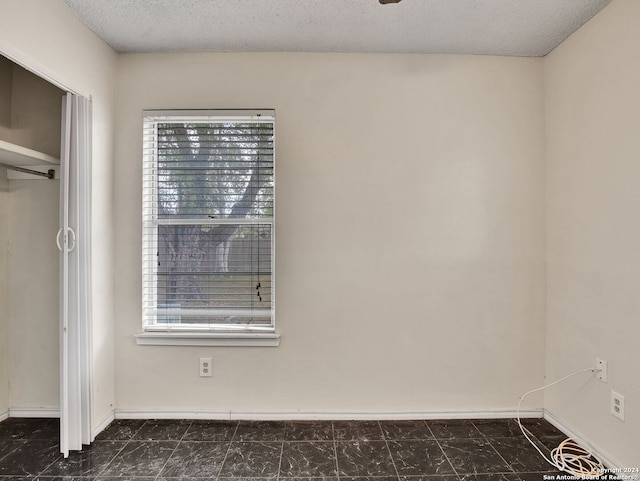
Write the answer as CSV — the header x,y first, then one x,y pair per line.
x,y
208,223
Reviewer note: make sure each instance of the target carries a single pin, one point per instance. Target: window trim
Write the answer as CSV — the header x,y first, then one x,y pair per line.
x,y
244,339
207,335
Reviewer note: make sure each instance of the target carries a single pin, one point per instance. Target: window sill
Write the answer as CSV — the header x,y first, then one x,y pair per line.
x,y
163,338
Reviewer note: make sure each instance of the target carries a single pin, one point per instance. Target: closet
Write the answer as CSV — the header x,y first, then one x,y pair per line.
x,y
30,123
44,253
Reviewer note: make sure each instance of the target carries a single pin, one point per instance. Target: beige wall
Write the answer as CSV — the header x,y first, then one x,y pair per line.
x,y
411,225
35,112
33,294
592,86
410,251
31,223
6,76
4,292
48,38
31,220
29,109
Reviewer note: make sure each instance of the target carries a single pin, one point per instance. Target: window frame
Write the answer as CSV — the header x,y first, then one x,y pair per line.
x,y
195,334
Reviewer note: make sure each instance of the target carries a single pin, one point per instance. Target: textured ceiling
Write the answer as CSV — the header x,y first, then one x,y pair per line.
x,y
485,27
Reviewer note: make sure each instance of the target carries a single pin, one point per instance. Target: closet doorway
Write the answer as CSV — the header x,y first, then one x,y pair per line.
x,y
45,181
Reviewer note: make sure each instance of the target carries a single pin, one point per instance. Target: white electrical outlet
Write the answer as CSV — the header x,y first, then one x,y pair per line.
x,y
617,405
601,375
205,367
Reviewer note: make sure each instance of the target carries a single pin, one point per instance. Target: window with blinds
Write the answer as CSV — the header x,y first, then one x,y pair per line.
x,y
208,221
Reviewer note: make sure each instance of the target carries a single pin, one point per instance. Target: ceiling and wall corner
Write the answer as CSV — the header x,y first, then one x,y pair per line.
x,y
487,27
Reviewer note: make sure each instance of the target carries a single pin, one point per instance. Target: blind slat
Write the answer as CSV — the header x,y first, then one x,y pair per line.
x,y
202,263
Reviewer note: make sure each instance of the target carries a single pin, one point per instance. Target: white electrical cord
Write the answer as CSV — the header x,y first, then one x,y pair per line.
x,y
569,456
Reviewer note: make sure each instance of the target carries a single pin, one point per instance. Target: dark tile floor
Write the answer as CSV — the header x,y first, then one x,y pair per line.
x,y
138,450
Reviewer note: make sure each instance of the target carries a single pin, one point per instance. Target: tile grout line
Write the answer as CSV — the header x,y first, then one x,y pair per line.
x,y
127,441
335,449
386,443
33,438
172,452
488,440
22,441
284,437
51,463
280,458
455,471
513,471
232,435
224,459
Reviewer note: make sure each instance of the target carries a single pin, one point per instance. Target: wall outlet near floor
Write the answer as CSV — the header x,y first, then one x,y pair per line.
x,y
205,367
617,405
601,375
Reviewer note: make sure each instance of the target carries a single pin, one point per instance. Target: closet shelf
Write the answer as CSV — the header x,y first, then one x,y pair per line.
x,y
19,156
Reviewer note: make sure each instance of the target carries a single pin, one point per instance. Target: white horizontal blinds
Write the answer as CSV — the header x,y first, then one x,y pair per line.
x,y
208,221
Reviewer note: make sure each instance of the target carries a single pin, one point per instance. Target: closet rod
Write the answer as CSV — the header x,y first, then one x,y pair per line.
x,y
50,174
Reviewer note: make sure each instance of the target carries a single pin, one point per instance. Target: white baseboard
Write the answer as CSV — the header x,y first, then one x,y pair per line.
x,y
580,439
102,425
34,412
317,416
313,416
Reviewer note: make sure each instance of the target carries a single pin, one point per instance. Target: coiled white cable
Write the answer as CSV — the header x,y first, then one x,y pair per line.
x,y
569,456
